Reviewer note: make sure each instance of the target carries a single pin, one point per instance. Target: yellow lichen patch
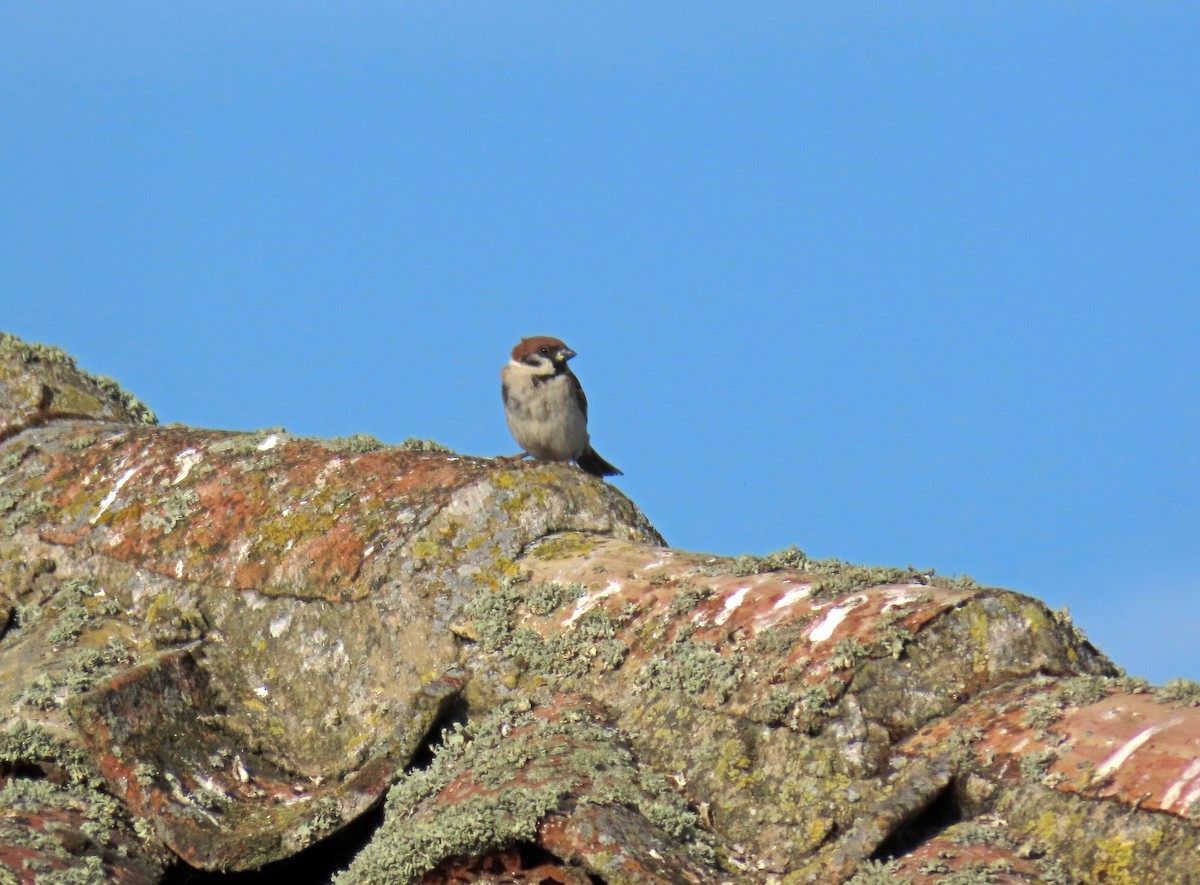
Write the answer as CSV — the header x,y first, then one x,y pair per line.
x,y
979,641
425,549
733,764
1113,861
505,479
299,524
1035,615
564,545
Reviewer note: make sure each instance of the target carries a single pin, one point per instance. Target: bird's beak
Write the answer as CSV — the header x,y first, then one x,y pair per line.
x,y
565,354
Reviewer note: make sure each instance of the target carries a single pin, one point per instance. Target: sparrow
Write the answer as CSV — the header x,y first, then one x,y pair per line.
x,y
545,406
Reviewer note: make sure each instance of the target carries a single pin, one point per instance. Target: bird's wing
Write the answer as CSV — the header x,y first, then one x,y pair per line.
x,y
577,389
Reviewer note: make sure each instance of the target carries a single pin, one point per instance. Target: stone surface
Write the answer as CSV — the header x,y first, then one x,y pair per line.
x,y
218,648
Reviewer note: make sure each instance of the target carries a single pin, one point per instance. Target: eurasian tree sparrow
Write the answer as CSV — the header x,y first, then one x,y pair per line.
x,y
545,406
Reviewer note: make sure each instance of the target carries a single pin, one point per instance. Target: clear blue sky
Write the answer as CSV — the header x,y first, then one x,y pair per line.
x,y
898,283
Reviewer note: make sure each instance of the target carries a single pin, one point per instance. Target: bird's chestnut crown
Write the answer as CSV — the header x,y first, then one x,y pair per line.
x,y
541,347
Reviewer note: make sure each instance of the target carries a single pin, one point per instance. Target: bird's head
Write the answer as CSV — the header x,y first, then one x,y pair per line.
x,y
543,353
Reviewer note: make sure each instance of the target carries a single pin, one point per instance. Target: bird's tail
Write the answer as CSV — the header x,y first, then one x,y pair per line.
x,y
595,465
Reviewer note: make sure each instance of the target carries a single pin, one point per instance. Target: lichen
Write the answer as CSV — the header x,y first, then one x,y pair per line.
x,y
817,703
138,410
416,444
548,597
355,444
17,509
23,743
980,872
172,511
687,597
75,607
82,442
1180,691
250,443
1035,766
877,872
781,639
323,817
775,707
590,642
76,671
506,774
31,353
103,824
693,667
981,832
847,653
1045,709
836,577
561,545
12,347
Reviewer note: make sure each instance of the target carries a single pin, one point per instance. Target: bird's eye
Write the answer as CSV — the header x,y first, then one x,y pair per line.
x,y
545,351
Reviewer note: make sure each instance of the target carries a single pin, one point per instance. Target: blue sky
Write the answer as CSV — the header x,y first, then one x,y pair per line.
x,y
897,283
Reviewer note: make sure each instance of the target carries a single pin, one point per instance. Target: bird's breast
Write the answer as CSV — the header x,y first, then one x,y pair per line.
x,y
544,417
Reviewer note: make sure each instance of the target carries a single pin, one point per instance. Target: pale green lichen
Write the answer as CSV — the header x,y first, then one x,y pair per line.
x,y
251,443
337,501
24,743
75,672
779,702
173,510
548,597
935,865
890,640
1062,617
1035,766
1132,684
78,602
323,817
86,870
816,703
355,444
687,597
104,825
1180,691
138,410
415,444
847,653
590,641
981,832
508,773
783,638
1055,872
1080,691
877,872
13,460
19,508
979,872
1043,710
835,577
82,442
693,667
